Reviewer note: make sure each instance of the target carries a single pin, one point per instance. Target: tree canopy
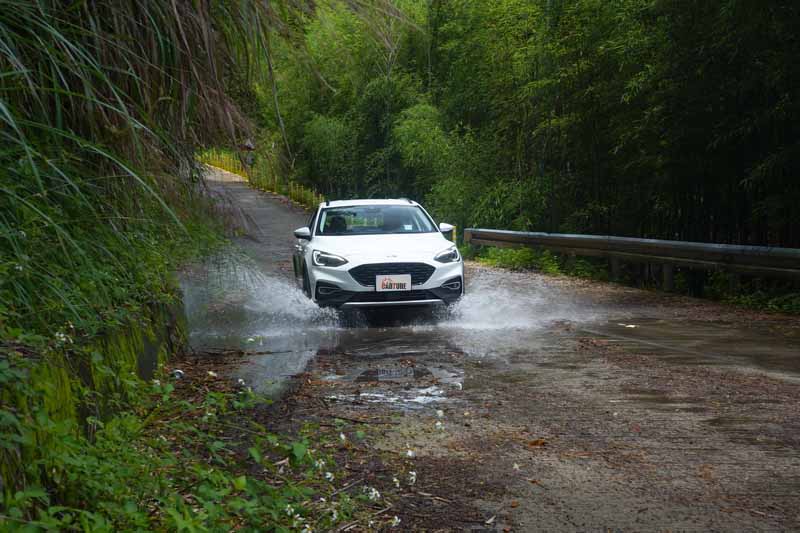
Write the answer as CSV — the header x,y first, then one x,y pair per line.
x,y
655,118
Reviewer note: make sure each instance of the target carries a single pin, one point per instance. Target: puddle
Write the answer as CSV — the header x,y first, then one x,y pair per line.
x,y
704,343
397,375
659,400
233,303
405,399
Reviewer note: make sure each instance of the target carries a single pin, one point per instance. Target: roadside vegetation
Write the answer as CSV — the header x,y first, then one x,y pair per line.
x,y
103,108
184,452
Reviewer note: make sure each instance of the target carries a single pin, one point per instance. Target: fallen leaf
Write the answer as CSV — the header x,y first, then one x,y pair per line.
x,y
514,504
537,443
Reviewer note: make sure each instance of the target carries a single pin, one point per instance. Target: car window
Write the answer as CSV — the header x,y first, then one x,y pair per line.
x,y
374,220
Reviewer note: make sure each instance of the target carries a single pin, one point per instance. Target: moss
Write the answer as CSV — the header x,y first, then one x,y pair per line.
x,y
74,388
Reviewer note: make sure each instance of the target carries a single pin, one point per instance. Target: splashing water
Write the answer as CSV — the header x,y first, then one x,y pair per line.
x,y
511,300
506,312
232,303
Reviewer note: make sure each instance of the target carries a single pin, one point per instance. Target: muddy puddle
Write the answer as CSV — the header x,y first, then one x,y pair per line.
x,y
233,304
506,319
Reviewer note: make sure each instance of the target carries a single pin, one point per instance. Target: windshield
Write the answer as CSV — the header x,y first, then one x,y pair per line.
x,y
373,220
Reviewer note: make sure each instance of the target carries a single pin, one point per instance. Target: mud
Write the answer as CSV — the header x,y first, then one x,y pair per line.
x,y
536,404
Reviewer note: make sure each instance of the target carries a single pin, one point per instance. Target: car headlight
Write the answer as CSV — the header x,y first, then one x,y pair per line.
x,y
448,256
327,260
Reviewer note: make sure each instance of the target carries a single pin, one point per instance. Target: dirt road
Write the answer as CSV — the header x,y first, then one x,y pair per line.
x,y
537,404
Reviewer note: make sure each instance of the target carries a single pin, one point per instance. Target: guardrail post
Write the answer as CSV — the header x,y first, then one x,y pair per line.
x,y
734,283
616,268
667,277
569,263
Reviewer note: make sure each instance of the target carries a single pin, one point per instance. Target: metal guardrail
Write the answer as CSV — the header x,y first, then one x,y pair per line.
x,y
757,260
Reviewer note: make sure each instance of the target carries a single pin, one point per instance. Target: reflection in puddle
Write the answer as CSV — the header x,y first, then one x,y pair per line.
x,y
408,399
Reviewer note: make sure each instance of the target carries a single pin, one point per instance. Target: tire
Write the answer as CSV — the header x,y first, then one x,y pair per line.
x,y
306,283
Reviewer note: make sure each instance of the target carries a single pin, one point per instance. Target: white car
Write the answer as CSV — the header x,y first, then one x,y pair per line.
x,y
377,253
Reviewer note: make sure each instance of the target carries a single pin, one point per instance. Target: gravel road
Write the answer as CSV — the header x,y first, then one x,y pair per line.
x,y
538,403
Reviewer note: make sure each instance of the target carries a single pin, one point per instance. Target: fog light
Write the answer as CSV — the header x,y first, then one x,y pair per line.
x,y
325,290
453,285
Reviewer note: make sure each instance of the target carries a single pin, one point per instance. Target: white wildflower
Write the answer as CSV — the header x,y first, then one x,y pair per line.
x,y
289,510
212,374
396,482
322,499
334,515
307,529
440,413
18,268
319,464
516,466
342,437
329,476
412,477
157,382
240,382
410,453
22,234
395,521
372,493
250,339
439,425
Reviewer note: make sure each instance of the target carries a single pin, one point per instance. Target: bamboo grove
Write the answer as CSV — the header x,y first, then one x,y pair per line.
x,y
652,118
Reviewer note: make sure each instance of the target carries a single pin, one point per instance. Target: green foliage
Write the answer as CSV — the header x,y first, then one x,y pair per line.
x,y
102,105
332,146
165,463
647,118
520,259
777,296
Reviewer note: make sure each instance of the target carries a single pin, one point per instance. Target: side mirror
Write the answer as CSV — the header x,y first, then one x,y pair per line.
x,y
445,228
303,233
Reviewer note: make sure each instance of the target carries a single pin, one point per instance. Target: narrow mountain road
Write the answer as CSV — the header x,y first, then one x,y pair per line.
x,y
536,404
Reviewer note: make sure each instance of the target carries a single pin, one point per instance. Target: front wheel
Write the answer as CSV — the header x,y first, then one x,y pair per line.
x,y
306,283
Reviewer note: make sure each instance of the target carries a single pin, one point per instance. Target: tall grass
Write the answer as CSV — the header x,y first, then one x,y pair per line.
x,y
101,107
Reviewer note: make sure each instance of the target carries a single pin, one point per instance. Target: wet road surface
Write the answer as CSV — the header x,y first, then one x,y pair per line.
x,y
536,403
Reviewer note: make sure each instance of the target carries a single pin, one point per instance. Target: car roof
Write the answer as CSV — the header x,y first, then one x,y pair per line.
x,y
387,201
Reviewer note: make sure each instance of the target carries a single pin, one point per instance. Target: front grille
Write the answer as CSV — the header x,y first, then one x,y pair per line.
x,y
365,274
392,296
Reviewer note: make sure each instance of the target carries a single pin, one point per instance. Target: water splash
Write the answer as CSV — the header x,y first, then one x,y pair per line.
x,y
509,300
505,313
231,303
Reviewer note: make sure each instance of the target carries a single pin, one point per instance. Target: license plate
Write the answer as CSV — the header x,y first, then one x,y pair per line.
x,y
393,282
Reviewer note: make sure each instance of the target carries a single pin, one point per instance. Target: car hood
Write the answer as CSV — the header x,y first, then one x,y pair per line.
x,y
383,248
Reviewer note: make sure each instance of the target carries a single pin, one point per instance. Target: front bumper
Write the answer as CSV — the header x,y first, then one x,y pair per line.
x,y
335,287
